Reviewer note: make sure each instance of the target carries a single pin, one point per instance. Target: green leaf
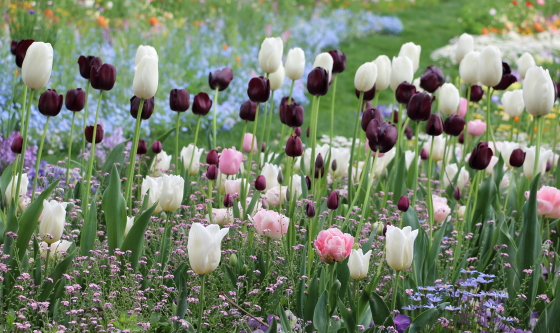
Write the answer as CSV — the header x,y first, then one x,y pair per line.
x,y
343,275
347,316
320,318
312,295
181,285
286,325
421,248
333,296
89,231
548,320
55,276
485,196
367,245
5,180
410,219
115,156
114,205
426,318
379,311
134,240
398,185
274,325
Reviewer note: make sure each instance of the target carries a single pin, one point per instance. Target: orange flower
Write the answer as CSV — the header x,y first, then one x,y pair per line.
x,y
102,21
238,59
154,21
48,13
484,31
538,27
225,47
516,119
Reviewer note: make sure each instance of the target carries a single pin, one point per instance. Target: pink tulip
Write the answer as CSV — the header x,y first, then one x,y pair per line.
x,y
333,245
270,224
463,107
548,200
476,127
230,161
247,140
441,209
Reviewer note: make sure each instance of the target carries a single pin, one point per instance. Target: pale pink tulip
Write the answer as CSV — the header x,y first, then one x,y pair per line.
x,y
270,224
476,127
463,107
441,209
247,140
333,245
548,200
230,161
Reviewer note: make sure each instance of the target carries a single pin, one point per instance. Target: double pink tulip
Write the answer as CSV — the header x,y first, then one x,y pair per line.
x,y
271,224
333,245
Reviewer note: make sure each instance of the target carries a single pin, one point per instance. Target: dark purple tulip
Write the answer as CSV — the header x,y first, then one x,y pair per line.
x,y
13,47
481,156
401,323
395,116
157,147
318,82
86,63
319,172
332,200
21,50
260,183
310,210
368,95
294,146
258,89
88,132
385,228
228,200
17,144
263,147
212,172
404,92
408,132
432,79
403,203
419,107
339,61
284,100
454,125
507,78
248,110
556,85
297,131
75,99
476,93
50,103
369,115
292,115
103,77
424,154
461,139
457,194
147,108
212,157
517,158
382,136
308,183
548,166
220,79
179,100
142,147
319,162
307,131
201,104
434,127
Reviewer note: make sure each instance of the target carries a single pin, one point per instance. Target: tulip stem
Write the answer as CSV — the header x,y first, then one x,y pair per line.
x,y
415,164
473,189
366,200
312,138
395,291
92,155
490,132
332,110
85,124
250,161
27,111
269,125
399,136
195,140
201,303
291,91
38,162
263,130
214,121
178,166
48,259
365,171
429,188
467,117
132,160
350,185
539,120
513,126
70,149
243,135
164,249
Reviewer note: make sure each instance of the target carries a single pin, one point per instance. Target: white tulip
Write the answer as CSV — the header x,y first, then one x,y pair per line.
x,y
11,192
490,66
451,171
504,182
295,64
468,69
461,211
276,196
221,216
145,81
325,61
129,224
56,249
342,158
529,164
154,186
463,178
52,221
538,91
525,62
204,247
37,65
144,50
233,186
490,168
383,162
162,162
277,78
409,158
416,83
412,52
358,264
383,64
401,71
270,54
171,196
513,103
187,156
439,145
464,46
448,99
506,149
400,247
365,77
270,173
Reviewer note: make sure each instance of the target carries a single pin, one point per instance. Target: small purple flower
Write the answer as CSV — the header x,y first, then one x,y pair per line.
x,y
401,322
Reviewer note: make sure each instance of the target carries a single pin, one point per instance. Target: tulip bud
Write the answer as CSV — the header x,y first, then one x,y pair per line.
x,y
147,108
395,116
476,93
228,200
434,127
294,146
525,62
319,162
461,139
258,89
16,145
292,115
412,52
295,64
52,221
369,115
383,64
432,79
513,103
481,156
179,100
318,82
212,172
365,76
297,131
86,63
88,132
157,147
404,92
403,204
464,46
507,78
310,210
490,66
538,91
332,201
172,193
212,157
454,125
50,103
319,173
400,247
334,165
517,158
37,66
220,79
203,247
358,264
408,132
548,166
75,99
368,95
201,104
280,176
449,99
103,77
277,78
419,107
457,194
13,47
142,147
21,50
424,155
382,136
260,183
385,228
146,75
468,69
339,61
270,54
248,110
307,131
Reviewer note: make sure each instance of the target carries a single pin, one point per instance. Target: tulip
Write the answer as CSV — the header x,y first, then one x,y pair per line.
x,y
270,54
295,64
441,209
13,47
358,264
157,147
171,192
221,216
401,71
525,62
212,172
249,141
403,204
506,149
517,158
294,146
154,185
212,157
548,199
481,156
75,99
332,200
465,44
419,107
277,78
434,126
326,61
489,66
12,193
369,115
333,245
538,91
476,93
50,103
220,79
339,61
21,50
342,158
404,92
368,95
37,66
204,247
270,224
142,147
318,82
142,51
190,156
454,125
468,69
292,115
529,163
432,79
201,104
129,224
412,52
507,78
55,249
86,63
103,77
424,152
490,168
310,210
400,247
88,133
162,162
448,99
16,145
408,158
365,76
451,171
261,183
230,161
179,100
383,64
382,136
270,173
513,103
276,196
147,108
476,127
52,221
259,89
145,81
439,146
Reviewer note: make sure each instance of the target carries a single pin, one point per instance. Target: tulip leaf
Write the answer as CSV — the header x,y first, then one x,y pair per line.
x,y
77,193
426,318
56,275
320,317
379,311
28,220
399,184
89,230
181,285
484,198
333,296
116,156
273,328
286,325
150,154
343,275
134,240
498,171
557,176
347,316
114,205
421,247
5,180
409,218
367,245
310,299
548,319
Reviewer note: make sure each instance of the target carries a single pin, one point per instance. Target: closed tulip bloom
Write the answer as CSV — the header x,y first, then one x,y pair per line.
x,y
441,209
142,51
88,132
249,140
437,153
476,127
454,125
383,64
507,78
103,77
451,171
401,71
248,110
369,115
400,247
432,79
332,200
12,192
464,46
325,61
481,156
434,126
548,199
220,79
270,54
339,61
50,103
179,100
295,64
403,204
146,75
75,99
201,104
154,186
382,136
277,78
368,95
21,50
506,149
404,92
490,66
365,76
318,82
342,158
56,249
310,210
477,93
212,172
230,161
468,69
333,245
517,158
270,224
412,52
419,107
86,63
538,91
525,62
129,224
142,147
171,193
147,108
294,146
204,247
52,221
212,157
157,147
13,47
513,103
449,99
529,163
37,65
162,162
292,115
260,183
187,156
358,264
16,145
258,89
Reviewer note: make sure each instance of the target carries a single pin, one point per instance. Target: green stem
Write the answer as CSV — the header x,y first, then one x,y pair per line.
x,y
395,291
467,117
269,125
132,160
201,303
399,136
243,136
92,154
332,109
291,90
489,131
250,161
311,166
70,149
265,121
85,124
177,123
27,111
356,122
365,172
415,164
366,200
165,247
38,162
48,259
429,188
214,121
539,121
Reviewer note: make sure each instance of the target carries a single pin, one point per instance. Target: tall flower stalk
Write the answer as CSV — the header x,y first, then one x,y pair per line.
x,y
85,207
